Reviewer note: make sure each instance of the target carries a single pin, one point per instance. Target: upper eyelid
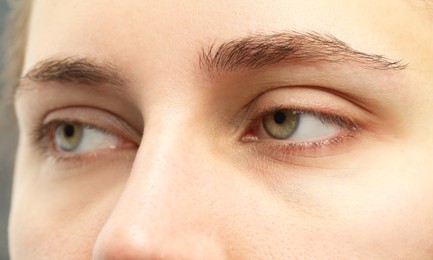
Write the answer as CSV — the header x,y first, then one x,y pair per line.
x,y
83,124
96,117
342,121
40,135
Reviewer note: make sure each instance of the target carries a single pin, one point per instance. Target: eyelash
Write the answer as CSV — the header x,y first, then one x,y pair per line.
x,y
41,136
344,122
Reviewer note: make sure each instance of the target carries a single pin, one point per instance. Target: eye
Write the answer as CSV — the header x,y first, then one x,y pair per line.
x,y
287,124
81,138
296,127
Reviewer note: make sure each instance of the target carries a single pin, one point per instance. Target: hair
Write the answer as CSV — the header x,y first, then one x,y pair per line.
x,y
14,43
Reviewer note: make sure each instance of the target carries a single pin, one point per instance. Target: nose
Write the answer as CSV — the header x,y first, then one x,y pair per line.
x,y
166,208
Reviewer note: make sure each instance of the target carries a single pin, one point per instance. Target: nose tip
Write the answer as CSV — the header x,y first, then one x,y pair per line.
x,y
124,244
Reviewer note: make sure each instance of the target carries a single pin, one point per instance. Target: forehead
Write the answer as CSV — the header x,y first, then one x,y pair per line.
x,y
157,33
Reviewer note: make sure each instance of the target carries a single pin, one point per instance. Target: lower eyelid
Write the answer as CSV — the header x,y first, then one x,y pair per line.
x,y
76,163
295,152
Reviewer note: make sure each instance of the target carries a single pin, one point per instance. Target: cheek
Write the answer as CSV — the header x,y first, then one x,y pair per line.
x,y
54,217
40,231
385,208
380,209
37,237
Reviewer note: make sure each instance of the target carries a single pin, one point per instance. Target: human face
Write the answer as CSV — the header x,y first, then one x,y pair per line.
x,y
140,141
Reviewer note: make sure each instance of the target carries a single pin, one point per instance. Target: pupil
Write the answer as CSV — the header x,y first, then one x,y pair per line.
x,y
69,130
279,117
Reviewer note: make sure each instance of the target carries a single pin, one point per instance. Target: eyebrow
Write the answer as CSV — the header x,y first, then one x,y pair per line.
x,y
251,52
76,71
258,50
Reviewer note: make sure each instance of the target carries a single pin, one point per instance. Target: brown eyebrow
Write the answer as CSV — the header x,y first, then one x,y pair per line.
x,y
76,71
259,50
251,52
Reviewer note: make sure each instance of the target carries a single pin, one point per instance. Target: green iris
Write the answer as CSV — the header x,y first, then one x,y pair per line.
x,y
281,124
68,136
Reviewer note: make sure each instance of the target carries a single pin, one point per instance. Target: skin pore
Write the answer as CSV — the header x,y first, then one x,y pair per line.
x,y
156,130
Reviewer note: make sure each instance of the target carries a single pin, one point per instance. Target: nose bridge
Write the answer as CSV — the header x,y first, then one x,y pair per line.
x,y
165,208
169,171
172,164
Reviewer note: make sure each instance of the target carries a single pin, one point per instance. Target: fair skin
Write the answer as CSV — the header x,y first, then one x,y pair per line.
x,y
185,168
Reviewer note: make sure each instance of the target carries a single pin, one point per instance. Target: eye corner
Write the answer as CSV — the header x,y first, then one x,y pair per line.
x,y
328,130
82,134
